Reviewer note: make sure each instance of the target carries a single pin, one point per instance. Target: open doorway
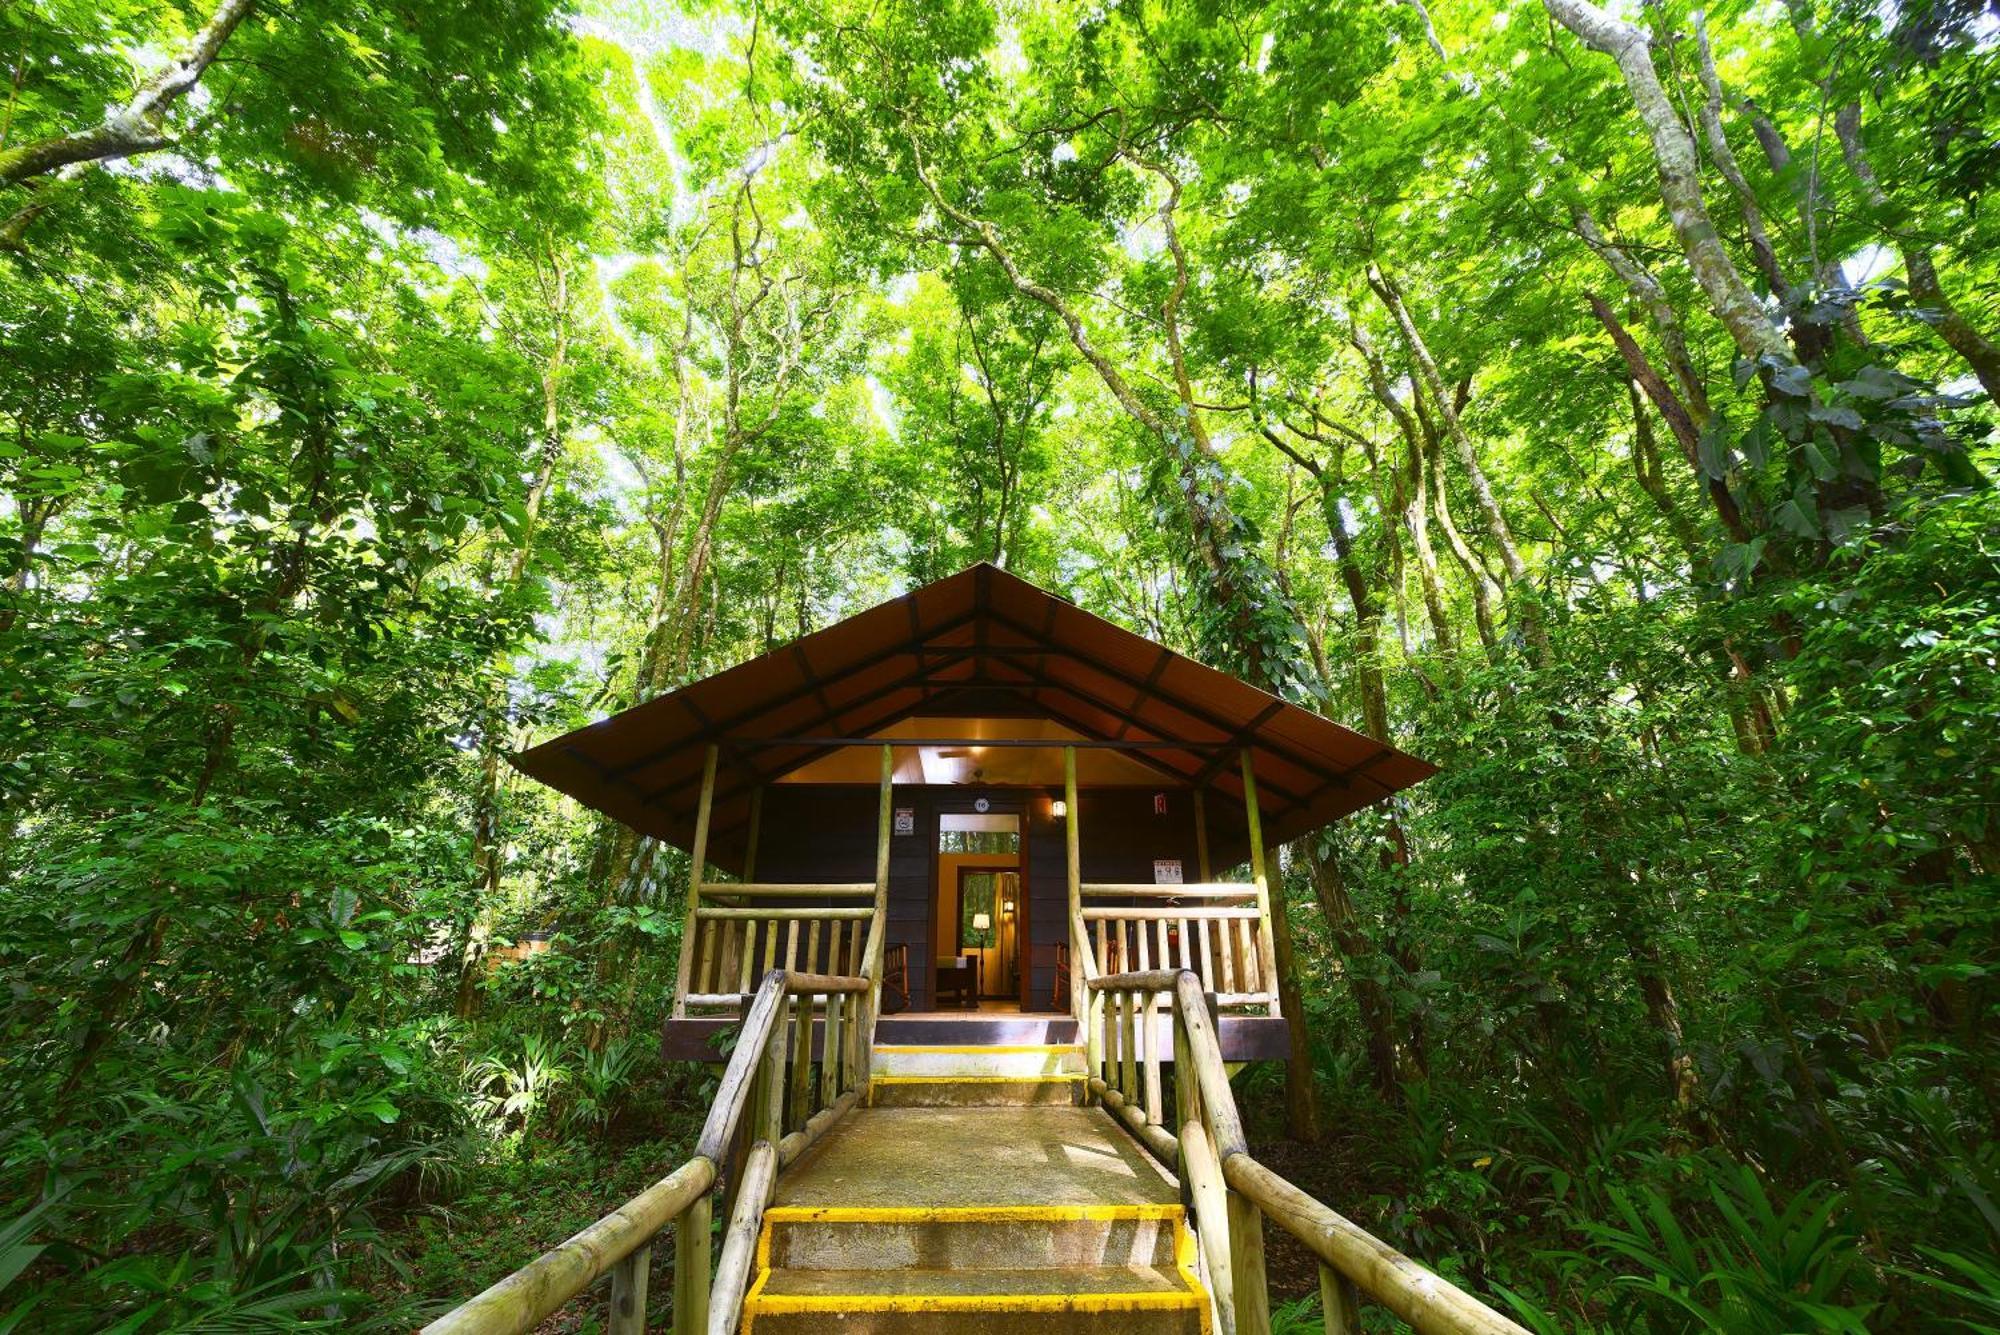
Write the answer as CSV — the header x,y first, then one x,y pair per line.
x,y
978,912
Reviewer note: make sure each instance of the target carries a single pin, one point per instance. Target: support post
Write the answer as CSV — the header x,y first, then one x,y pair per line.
x,y
628,1292
771,1078
1079,940
1339,1301
697,868
691,1251
1252,1290
878,930
1266,947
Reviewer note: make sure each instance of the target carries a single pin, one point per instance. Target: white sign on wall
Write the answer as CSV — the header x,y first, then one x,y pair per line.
x,y
906,820
1166,871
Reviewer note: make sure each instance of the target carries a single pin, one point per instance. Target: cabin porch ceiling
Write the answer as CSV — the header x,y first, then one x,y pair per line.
x,y
952,750
979,650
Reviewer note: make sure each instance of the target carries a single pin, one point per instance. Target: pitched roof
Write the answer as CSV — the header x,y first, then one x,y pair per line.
x,y
981,642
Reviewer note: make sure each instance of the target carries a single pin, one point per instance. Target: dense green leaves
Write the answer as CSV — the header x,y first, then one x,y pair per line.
x,y
413,383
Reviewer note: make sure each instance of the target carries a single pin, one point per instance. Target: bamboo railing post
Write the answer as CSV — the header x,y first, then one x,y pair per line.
x,y
1251,1286
829,1050
1128,1044
802,1054
878,930
691,1252
1339,1301
1266,948
732,1276
698,856
1156,1111
1079,940
628,1292
770,1123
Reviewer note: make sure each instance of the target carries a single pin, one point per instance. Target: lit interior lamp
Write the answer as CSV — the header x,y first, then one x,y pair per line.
x,y
982,922
1058,809
1006,908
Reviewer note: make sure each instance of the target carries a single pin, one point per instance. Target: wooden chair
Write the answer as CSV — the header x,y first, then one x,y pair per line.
x,y
1059,994
895,979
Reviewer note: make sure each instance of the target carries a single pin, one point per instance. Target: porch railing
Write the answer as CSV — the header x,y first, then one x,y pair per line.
x,y
1221,931
1201,1137
770,1106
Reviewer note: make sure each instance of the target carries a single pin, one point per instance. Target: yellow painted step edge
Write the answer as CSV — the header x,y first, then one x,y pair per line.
x,y
1195,1297
964,1214
976,1048
975,1214
1058,1077
775,1303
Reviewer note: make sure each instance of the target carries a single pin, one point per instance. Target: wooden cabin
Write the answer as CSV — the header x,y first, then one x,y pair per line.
x,y
981,890
1013,794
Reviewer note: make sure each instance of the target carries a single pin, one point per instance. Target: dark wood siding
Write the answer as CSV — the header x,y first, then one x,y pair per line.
x,y
827,833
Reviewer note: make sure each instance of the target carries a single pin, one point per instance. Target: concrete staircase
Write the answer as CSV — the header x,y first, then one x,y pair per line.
x,y
929,1075
976,1193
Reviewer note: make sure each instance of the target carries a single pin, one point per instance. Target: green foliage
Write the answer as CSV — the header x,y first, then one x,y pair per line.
x,y
431,380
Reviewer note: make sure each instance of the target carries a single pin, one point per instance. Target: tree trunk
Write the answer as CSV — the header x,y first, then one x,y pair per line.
x,y
1359,962
1302,1112
1679,165
1527,604
1415,511
1973,347
553,275
1645,289
1686,434
134,127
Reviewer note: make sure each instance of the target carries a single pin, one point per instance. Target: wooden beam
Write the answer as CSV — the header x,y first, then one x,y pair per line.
x,y
714,731
1291,753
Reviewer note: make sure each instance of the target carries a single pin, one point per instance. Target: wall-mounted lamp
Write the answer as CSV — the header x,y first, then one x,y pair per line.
x,y
1058,809
1006,908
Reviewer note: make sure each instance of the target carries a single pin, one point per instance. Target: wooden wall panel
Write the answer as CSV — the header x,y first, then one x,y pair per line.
x,y
827,833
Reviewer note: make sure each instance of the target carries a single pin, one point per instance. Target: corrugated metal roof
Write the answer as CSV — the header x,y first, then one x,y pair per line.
x,y
978,642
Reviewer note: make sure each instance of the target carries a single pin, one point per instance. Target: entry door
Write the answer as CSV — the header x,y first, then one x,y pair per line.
x,y
988,899
978,908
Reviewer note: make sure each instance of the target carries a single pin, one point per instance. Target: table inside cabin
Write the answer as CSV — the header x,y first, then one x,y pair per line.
x,y
957,976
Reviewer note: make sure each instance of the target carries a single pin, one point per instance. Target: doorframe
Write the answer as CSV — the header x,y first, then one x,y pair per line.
x,y
1015,802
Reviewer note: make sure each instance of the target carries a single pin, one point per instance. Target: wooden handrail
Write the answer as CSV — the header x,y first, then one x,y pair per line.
x,y
1210,1152
787,890
620,1244
521,1301
1186,913
707,913
1192,890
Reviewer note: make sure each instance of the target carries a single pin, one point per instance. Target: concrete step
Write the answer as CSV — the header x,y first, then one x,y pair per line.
x,y
1101,1300
949,1060
926,1091
1008,1237
975,1027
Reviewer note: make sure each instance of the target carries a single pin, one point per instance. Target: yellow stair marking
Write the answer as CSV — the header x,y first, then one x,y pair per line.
x,y
978,1047
1040,1077
1196,1297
